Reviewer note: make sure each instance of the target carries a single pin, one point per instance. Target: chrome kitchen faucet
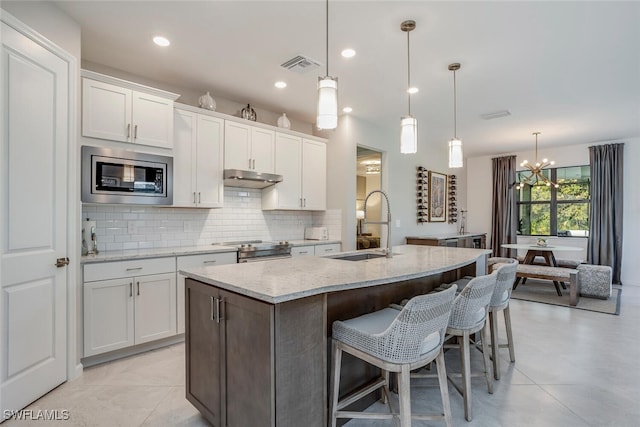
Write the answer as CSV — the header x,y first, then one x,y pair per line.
x,y
387,251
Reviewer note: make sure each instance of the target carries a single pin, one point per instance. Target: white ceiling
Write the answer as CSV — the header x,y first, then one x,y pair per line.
x,y
568,69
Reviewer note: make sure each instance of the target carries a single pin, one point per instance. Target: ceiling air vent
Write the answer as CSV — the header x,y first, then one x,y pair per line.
x,y
300,64
495,115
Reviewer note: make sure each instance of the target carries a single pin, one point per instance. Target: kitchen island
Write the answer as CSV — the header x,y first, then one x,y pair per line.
x,y
257,334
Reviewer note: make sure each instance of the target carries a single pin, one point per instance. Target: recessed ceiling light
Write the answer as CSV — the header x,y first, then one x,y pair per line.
x,y
280,84
348,53
413,90
161,41
347,109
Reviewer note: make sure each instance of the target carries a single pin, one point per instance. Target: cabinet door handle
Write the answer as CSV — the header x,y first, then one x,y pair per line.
x,y
199,197
135,132
211,301
303,252
211,261
254,164
128,130
138,283
130,289
304,204
249,163
219,315
134,268
300,201
194,197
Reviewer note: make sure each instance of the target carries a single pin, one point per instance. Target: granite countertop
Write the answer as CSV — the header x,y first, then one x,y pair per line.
x,y
154,253
107,256
444,236
307,242
289,279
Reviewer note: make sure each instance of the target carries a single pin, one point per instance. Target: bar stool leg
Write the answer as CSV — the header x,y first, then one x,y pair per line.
x,y
507,323
495,344
335,381
444,388
485,355
466,374
404,387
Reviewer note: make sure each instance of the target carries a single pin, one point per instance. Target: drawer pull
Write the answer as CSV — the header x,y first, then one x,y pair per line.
x,y
211,261
134,268
303,252
211,300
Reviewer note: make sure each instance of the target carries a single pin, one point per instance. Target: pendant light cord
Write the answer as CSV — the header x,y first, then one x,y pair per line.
x,y
327,34
455,108
408,73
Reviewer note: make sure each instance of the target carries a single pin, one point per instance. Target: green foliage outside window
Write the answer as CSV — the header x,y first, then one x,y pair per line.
x,y
547,211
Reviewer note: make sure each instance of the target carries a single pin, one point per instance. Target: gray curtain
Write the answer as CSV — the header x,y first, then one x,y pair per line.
x,y
505,216
605,211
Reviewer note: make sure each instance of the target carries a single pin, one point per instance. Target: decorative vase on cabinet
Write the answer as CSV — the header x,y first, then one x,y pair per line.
x,y
207,102
248,113
283,121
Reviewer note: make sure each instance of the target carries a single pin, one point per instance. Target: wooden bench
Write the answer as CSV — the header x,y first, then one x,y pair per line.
x,y
556,274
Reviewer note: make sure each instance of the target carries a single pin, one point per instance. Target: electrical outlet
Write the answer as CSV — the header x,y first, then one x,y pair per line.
x,y
132,227
397,223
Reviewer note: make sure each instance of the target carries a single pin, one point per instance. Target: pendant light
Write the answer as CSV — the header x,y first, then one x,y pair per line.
x,y
408,123
327,92
455,145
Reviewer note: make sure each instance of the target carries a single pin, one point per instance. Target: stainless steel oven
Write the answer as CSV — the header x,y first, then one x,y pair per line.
x,y
120,176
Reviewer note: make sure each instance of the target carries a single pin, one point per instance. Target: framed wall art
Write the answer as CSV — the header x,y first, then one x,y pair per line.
x,y
437,197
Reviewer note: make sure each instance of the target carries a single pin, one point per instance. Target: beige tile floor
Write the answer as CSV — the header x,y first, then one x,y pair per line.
x,y
574,368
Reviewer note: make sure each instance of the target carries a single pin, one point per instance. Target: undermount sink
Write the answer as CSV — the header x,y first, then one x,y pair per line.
x,y
360,257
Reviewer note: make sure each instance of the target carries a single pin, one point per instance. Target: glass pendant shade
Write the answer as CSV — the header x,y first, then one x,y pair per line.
x,y
455,153
408,135
327,103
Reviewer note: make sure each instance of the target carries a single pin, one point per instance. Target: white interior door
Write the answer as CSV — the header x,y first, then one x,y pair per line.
x,y
33,219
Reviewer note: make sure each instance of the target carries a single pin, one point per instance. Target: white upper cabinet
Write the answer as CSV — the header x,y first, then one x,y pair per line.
x,y
118,110
248,147
197,160
302,163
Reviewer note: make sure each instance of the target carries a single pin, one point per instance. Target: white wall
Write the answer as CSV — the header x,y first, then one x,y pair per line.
x,y
398,176
479,196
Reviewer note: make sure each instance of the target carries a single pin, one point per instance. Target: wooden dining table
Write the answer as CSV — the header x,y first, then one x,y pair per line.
x,y
546,252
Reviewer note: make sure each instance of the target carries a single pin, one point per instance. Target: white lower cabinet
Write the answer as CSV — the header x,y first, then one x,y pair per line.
x,y
190,261
303,250
327,248
137,307
311,250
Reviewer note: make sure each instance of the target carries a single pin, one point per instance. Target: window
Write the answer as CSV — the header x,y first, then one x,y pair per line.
x,y
550,211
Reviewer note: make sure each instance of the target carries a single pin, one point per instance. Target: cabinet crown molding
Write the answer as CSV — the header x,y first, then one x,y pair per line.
x,y
129,85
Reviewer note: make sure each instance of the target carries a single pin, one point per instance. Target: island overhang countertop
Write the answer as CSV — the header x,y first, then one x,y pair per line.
x,y
283,280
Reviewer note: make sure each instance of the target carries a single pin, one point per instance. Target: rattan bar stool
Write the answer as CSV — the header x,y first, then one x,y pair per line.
x,y
394,341
468,316
506,268
500,302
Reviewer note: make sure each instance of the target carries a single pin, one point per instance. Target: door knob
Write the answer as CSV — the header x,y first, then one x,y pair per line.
x,y
61,262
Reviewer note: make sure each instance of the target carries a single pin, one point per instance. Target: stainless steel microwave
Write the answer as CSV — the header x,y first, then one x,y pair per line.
x,y
125,177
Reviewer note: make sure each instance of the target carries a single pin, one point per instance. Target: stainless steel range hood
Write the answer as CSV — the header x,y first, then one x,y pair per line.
x,y
249,179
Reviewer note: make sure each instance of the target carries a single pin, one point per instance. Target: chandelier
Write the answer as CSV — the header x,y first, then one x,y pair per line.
x,y
536,177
